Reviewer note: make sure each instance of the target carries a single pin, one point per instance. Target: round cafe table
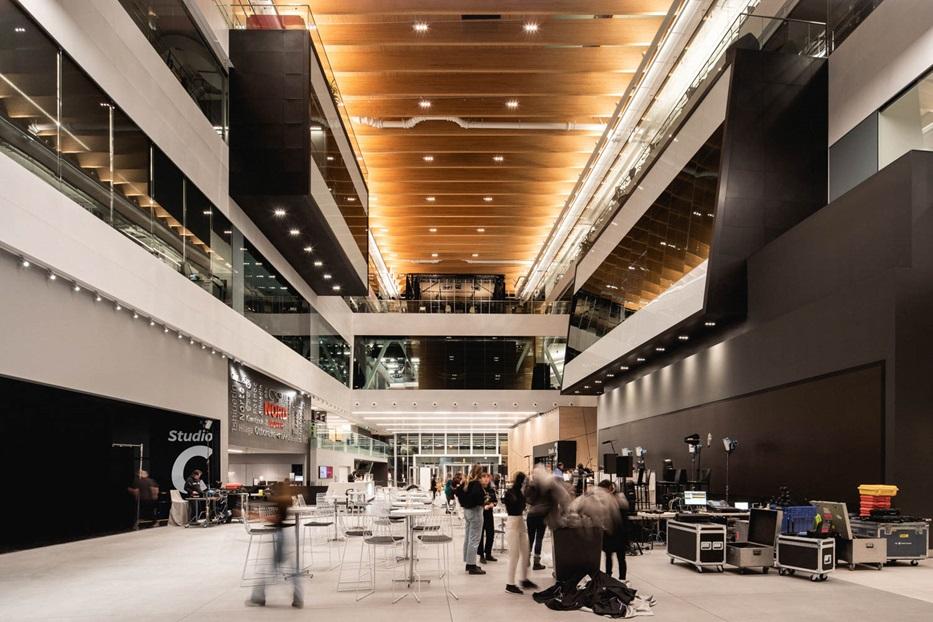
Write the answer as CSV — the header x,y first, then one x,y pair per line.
x,y
408,513
296,512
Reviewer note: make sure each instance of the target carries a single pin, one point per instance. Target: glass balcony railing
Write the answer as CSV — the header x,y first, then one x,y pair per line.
x,y
363,304
352,443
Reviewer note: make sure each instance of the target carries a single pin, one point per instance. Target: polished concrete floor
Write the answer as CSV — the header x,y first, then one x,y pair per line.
x,y
169,574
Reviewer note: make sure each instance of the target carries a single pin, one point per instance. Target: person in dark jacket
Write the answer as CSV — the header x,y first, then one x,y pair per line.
x,y
517,535
615,536
536,526
488,534
470,495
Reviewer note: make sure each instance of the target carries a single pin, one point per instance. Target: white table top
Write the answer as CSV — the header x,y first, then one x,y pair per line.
x,y
301,509
409,512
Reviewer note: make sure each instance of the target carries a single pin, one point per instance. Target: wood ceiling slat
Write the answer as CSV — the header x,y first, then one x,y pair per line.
x,y
477,144
474,58
574,107
452,161
507,85
592,32
440,175
322,8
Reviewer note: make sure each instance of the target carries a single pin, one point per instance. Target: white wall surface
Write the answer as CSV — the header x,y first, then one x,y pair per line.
x,y
53,335
486,400
888,51
459,324
45,225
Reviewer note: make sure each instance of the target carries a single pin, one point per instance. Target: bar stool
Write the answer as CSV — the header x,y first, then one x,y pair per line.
x,y
355,525
259,531
434,530
381,538
320,519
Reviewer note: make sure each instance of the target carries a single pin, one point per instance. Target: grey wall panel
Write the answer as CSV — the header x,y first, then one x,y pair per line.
x,y
854,158
788,436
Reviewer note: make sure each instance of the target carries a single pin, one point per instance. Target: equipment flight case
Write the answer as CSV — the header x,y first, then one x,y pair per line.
x,y
700,544
758,551
816,556
907,539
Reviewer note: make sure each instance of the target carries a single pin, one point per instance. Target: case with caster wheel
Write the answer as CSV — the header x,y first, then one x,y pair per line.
x,y
814,556
702,545
758,552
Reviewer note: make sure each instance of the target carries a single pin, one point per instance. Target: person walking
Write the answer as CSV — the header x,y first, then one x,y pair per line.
x,y
535,521
517,536
470,495
488,533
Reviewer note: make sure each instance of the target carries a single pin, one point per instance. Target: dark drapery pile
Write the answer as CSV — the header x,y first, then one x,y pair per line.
x,y
602,594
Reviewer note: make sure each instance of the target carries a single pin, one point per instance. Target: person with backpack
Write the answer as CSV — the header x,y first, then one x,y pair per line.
x,y
471,495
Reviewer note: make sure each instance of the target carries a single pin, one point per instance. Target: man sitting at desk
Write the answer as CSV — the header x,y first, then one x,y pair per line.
x,y
193,485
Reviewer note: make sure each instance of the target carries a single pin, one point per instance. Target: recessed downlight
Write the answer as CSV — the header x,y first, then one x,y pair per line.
x,y
327,277
424,104
511,104
709,323
336,288
428,158
420,27
683,337
480,230
487,199
433,254
498,158
476,254
308,249
433,229
294,232
530,27
278,212
318,263
640,359
430,199
660,349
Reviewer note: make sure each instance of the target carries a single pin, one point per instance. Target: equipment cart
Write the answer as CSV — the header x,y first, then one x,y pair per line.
x,y
851,548
700,544
907,541
758,551
816,556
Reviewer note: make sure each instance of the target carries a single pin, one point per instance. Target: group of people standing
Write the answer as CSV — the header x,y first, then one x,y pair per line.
x,y
478,496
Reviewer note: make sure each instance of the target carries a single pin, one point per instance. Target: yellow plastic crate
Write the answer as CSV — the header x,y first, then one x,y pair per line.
x,y
879,490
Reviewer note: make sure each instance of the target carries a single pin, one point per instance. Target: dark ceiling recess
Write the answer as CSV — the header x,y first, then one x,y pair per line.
x,y
270,155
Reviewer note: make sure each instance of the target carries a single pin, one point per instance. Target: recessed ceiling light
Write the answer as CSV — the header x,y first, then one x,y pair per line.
x,y
19,29
424,104
429,199
498,158
610,375
433,254
683,337
294,232
598,381
586,386
330,158
640,359
480,230
308,249
476,254
433,229
318,264
530,27
487,199
709,323
511,104
327,277
278,212
420,26
336,288
351,199
659,349
428,158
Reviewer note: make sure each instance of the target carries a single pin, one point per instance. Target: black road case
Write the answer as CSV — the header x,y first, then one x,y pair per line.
x,y
907,541
702,545
758,551
815,556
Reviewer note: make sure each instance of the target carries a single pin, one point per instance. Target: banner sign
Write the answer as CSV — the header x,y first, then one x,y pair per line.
x,y
265,413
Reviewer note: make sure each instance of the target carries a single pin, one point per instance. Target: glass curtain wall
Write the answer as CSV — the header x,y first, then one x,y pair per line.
x,y
171,30
458,362
672,238
58,123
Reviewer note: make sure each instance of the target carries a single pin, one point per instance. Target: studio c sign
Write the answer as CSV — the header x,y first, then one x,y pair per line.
x,y
201,436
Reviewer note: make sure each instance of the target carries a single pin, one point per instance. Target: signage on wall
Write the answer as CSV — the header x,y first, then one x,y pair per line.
x,y
179,444
264,412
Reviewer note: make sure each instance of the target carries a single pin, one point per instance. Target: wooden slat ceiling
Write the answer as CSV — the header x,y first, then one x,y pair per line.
x,y
474,57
